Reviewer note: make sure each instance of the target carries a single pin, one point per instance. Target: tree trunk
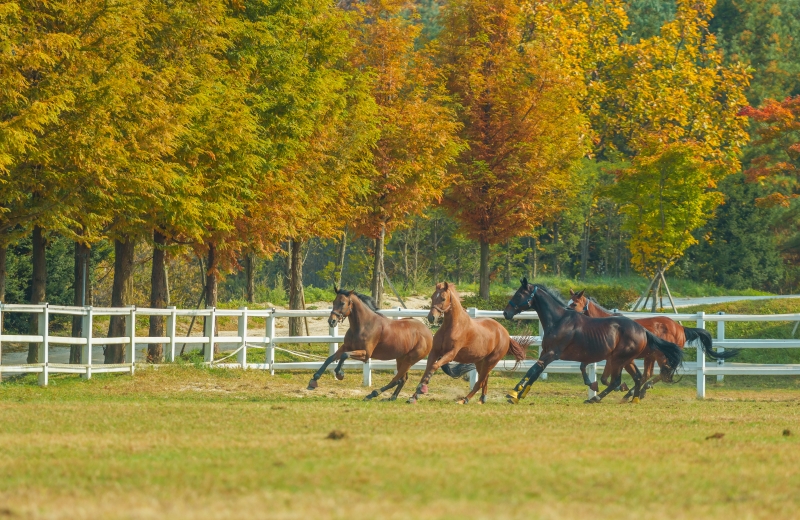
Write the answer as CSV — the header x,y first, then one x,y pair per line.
x,y
435,259
556,261
535,257
507,272
484,273
287,275
458,266
405,262
158,296
296,287
80,296
341,257
377,268
3,272
656,290
38,287
121,296
212,284
250,274
585,249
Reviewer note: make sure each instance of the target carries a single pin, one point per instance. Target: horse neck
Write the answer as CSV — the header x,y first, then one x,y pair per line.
x,y
456,314
548,310
595,311
360,314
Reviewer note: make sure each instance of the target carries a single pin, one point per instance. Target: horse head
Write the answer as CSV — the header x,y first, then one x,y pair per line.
x,y
577,301
522,299
441,301
342,306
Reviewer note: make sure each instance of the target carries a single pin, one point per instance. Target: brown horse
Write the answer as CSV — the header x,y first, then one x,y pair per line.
x,y
483,342
661,326
572,336
374,336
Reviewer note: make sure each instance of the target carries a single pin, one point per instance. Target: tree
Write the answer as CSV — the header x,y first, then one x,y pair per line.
x,y
520,117
418,125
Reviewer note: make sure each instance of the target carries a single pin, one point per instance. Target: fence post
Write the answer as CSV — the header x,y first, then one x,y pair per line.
x,y
543,377
591,371
701,360
130,331
473,374
86,350
1,342
270,332
171,326
211,321
333,347
242,356
720,337
367,376
44,346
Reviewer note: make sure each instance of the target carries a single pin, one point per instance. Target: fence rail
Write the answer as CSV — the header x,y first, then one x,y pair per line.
x,y
269,341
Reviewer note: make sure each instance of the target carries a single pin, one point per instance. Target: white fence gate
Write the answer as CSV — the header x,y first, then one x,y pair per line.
x,y
270,341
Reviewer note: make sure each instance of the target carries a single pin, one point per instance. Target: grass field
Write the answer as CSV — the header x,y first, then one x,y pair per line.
x,y
186,442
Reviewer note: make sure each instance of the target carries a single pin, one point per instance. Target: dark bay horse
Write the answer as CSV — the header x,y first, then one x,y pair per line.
x,y
374,336
572,336
482,342
661,326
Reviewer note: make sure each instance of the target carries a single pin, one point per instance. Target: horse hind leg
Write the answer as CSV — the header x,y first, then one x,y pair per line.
x,y
615,381
590,384
483,377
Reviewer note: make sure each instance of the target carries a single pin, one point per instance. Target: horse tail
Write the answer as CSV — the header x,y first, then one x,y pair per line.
x,y
457,370
671,351
518,348
706,341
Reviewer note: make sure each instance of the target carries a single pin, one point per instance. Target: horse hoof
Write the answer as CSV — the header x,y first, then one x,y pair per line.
x,y
512,399
593,400
462,401
393,398
635,400
372,395
412,400
312,384
339,375
594,386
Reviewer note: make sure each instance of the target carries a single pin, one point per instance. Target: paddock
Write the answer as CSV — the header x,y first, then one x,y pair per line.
x,y
269,341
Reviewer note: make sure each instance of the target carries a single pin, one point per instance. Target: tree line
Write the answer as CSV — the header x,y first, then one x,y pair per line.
x,y
569,137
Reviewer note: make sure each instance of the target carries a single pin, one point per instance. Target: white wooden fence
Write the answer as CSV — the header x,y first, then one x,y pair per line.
x,y
269,341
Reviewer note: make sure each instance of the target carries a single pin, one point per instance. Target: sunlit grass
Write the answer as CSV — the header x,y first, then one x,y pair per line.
x,y
182,441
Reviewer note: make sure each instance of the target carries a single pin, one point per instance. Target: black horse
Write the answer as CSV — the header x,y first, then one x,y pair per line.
x,y
571,336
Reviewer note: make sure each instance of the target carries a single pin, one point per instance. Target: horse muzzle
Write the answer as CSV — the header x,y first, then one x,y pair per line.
x,y
332,322
431,318
508,313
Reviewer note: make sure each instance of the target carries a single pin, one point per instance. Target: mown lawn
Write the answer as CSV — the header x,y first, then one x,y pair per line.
x,y
187,442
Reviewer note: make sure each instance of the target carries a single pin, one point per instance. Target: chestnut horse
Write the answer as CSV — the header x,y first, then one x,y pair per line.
x,y
481,341
661,326
571,336
374,336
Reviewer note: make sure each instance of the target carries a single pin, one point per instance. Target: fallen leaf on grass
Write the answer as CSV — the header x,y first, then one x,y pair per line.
x,y
336,435
716,436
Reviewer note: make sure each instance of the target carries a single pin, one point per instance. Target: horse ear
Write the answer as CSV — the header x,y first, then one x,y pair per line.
x,y
351,293
580,294
446,286
524,281
335,289
571,292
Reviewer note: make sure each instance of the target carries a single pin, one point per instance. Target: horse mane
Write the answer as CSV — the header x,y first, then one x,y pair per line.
x,y
366,300
454,292
552,293
594,301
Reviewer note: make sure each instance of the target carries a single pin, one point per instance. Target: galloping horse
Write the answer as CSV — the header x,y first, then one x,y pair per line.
x,y
483,342
373,336
661,326
572,336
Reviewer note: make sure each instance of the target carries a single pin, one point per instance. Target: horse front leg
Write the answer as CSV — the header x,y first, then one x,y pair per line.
x,y
358,355
524,386
333,357
433,366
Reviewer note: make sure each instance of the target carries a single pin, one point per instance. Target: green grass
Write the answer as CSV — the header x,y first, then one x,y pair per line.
x,y
185,442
